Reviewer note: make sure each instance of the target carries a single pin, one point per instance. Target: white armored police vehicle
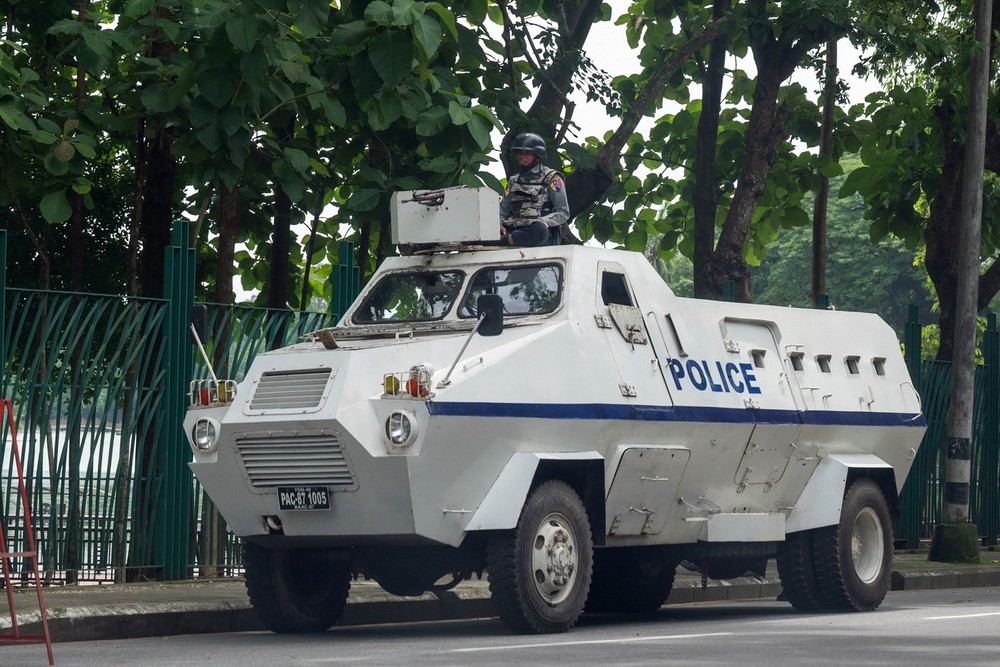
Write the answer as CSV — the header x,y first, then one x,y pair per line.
x,y
556,418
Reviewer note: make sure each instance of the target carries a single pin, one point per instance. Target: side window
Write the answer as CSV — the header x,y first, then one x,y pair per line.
x,y
614,289
525,290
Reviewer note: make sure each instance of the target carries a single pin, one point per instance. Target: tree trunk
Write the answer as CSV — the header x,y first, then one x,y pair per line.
x,y
281,243
574,23
818,290
586,187
765,132
229,224
706,187
959,424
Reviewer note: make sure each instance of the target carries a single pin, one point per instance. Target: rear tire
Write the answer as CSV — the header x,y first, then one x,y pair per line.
x,y
540,572
795,569
853,559
625,582
297,590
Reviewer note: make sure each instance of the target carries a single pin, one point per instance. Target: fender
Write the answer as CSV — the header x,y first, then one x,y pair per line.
x,y
501,507
821,500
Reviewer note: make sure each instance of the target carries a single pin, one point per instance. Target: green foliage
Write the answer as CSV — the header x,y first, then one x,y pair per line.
x,y
872,275
335,106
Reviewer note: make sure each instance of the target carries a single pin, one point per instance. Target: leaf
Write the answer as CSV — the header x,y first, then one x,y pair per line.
x,y
15,119
831,170
636,241
45,138
447,17
69,127
350,35
54,166
156,98
855,181
480,129
432,121
459,115
313,17
201,113
137,8
84,147
217,84
184,83
298,159
379,12
580,156
363,200
391,55
440,164
64,151
477,12
293,70
386,108
55,207
406,12
242,31
334,111
230,121
428,34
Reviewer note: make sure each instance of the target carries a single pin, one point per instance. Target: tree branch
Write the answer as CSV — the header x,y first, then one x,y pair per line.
x,y
653,89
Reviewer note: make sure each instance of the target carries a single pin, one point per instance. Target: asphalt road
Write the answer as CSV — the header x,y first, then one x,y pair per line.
x,y
956,627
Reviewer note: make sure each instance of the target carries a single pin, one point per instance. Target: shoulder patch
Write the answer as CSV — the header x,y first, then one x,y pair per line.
x,y
556,183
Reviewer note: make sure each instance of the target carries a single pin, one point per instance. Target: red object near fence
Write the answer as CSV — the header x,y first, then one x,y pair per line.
x,y
7,409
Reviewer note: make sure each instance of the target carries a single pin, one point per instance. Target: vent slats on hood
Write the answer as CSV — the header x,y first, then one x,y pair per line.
x,y
290,390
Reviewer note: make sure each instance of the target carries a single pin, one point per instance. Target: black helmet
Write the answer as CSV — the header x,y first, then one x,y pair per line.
x,y
532,143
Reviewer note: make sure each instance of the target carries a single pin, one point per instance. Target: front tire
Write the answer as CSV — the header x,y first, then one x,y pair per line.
x,y
853,560
540,572
297,590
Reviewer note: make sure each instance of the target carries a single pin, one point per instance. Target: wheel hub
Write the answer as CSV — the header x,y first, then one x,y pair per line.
x,y
867,548
554,558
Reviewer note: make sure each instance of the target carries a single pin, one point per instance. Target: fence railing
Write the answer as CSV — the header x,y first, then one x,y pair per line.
x,y
922,505
98,417
99,385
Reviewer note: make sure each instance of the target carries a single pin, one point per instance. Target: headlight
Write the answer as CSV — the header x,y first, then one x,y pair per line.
x,y
205,435
401,428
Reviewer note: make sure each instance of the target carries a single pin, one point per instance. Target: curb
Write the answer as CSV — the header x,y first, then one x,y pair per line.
x,y
372,606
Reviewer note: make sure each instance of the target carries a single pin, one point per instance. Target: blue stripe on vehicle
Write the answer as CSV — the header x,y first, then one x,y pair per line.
x,y
659,413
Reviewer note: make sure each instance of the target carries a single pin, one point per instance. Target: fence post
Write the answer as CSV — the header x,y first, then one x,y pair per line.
x,y
173,516
729,291
3,305
912,495
987,490
912,341
347,283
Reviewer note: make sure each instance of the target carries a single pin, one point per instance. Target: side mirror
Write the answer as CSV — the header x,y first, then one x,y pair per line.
x,y
490,308
199,319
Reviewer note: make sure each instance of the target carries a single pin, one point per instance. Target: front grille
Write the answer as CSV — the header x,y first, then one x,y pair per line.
x,y
290,390
295,458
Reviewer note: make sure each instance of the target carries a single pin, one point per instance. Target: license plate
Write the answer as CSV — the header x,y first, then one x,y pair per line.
x,y
303,498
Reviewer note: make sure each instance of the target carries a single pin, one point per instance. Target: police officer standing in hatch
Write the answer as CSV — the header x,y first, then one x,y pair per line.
x,y
534,207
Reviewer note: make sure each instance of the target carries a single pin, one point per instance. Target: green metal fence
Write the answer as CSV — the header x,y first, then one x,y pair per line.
x,y
99,385
921,500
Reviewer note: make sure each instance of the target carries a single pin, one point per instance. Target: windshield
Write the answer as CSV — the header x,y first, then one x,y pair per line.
x,y
408,297
526,290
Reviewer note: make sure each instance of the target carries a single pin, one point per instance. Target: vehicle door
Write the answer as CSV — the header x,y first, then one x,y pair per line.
x,y
770,394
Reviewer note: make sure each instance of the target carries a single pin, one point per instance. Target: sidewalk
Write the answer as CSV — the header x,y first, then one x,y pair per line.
x,y
91,612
